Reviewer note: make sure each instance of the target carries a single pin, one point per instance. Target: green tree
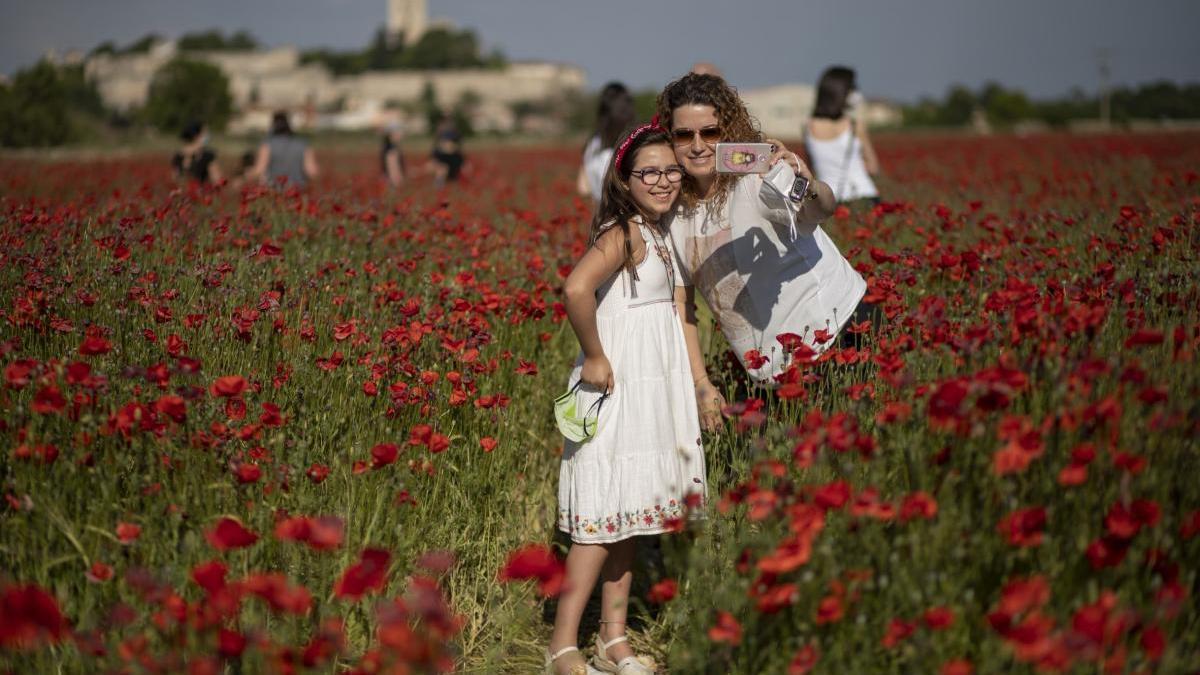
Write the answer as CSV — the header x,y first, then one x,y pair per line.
x,y
215,40
183,91
959,105
33,111
1004,107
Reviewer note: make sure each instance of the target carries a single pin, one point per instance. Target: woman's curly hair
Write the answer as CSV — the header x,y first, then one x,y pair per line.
x,y
737,126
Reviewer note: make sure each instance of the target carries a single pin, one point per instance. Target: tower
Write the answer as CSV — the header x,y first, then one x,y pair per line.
x,y
407,20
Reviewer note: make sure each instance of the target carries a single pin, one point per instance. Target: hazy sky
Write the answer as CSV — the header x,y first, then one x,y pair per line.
x,y
901,48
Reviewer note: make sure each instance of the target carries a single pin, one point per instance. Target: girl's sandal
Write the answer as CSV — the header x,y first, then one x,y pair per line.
x,y
630,665
581,669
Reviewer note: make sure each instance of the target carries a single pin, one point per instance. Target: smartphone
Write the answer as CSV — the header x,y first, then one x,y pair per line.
x,y
743,157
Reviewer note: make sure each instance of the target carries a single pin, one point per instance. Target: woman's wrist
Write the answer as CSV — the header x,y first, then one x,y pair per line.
x,y
699,380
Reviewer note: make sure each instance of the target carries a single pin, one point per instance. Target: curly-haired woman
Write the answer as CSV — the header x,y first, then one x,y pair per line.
x,y
765,267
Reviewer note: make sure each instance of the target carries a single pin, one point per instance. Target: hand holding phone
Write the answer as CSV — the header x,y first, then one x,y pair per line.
x,y
743,157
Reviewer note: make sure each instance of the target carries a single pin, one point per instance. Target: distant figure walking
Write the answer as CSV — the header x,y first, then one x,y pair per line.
x,y
195,160
836,139
614,114
447,154
391,157
284,158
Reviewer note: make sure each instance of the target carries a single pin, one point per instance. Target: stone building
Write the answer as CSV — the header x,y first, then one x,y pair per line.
x,y
783,110
264,80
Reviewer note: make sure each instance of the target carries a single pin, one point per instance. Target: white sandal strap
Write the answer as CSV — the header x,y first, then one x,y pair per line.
x,y
564,650
617,640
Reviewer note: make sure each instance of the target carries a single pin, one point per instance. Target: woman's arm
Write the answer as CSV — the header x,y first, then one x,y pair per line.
x,y
582,187
310,164
810,211
708,400
870,159
395,174
261,160
214,172
599,263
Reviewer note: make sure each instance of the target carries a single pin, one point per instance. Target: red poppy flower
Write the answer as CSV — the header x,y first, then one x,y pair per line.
x,y
488,443
128,533
94,345
1024,527
384,454
210,576
367,575
48,400
535,561
230,644
317,473
99,572
228,386
918,505
898,630
228,534
726,629
29,616
663,591
830,610
938,618
805,660
958,667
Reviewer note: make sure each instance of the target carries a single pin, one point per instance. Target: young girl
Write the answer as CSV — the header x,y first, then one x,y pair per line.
x,y
642,468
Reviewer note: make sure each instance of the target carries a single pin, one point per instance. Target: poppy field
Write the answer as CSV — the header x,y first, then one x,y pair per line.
x,y
256,430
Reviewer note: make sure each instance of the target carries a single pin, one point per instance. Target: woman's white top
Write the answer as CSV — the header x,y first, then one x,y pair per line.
x,y
838,162
758,282
595,165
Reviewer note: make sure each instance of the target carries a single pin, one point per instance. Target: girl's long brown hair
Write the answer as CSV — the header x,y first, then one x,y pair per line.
x,y
737,126
616,202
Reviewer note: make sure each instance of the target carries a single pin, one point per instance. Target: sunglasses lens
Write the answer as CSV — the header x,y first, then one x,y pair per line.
x,y
682,136
710,134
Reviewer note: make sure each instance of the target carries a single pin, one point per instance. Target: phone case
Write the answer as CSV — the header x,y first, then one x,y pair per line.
x,y
743,157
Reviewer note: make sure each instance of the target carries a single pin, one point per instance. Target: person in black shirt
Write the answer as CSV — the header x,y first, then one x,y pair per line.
x,y
195,160
447,152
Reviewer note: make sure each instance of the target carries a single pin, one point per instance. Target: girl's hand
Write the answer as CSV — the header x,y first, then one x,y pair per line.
x,y
709,401
597,372
780,152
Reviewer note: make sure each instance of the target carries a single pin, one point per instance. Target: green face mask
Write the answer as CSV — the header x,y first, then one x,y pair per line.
x,y
574,426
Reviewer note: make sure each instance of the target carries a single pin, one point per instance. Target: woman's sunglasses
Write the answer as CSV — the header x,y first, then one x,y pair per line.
x,y
709,135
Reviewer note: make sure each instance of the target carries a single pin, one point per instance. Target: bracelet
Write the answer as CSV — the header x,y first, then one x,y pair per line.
x,y
696,380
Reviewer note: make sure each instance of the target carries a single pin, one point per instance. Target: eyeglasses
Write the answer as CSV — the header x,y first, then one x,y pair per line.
x,y
674,174
709,135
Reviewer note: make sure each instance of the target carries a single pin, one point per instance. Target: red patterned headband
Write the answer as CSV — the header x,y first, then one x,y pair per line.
x,y
652,126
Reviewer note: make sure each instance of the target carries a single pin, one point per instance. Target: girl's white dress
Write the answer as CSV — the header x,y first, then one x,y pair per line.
x,y
634,475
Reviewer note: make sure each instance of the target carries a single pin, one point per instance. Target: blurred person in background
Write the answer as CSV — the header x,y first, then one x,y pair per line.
x,y
195,160
614,113
836,139
284,158
391,157
447,158
706,68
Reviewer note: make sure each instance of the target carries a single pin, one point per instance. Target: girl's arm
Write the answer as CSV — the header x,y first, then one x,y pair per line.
x,y
599,263
709,401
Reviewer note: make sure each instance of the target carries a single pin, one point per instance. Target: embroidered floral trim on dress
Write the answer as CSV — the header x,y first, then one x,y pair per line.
x,y
657,518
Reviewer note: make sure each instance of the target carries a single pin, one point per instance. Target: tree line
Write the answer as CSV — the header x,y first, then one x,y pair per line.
x,y
1003,107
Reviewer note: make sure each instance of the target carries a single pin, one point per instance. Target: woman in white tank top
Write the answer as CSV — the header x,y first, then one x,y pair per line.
x,y
838,147
614,113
